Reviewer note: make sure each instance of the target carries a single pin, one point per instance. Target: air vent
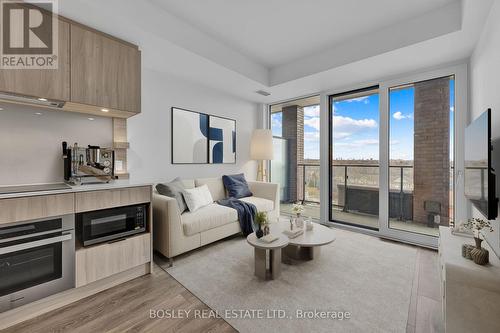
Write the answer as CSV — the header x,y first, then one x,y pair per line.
x,y
263,92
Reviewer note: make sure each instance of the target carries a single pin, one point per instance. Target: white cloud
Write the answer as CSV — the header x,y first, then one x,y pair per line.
x,y
367,142
363,99
452,109
276,123
311,145
398,115
311,111
311,136
357,143
312,122
341,135
341,123
343,126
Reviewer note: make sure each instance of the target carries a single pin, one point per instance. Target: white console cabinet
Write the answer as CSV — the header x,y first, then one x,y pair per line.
x,y
470,293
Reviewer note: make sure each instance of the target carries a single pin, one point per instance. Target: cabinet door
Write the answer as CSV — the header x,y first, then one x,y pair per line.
x,y
103,260
104,72
37,207
47,83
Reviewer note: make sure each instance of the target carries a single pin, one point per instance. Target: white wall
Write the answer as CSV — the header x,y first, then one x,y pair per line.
x,y
485,93
149,133
30,144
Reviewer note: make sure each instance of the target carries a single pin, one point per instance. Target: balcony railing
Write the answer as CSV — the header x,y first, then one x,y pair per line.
x,y
355,187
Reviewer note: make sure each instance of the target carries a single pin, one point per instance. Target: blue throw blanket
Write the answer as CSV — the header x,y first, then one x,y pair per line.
x,y
246,213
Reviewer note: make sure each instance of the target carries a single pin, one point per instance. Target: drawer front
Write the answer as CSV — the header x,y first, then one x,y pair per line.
x,y
96,200
100,261
30,208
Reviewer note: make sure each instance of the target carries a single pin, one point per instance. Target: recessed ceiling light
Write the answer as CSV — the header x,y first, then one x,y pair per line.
x,y
38,113
90,119
104,110
1,109
42,99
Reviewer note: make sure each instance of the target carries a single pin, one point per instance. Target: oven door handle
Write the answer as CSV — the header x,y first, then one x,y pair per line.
x,y
24,246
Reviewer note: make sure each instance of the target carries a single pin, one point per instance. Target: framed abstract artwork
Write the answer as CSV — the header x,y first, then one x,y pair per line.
x,y
222,140
189,137
199,138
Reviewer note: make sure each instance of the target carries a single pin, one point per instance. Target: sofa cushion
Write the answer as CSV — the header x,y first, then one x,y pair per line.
x,y
174,190
215,186
236,186
188,183
263,205
197,197
206,218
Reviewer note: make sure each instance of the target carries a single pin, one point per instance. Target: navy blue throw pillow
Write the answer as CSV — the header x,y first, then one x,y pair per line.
x,y
236,186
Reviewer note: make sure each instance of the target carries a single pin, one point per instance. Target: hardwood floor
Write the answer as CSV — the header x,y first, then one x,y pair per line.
x,y
125,308
425,312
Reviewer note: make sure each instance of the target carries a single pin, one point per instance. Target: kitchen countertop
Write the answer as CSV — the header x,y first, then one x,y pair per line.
x,y
78,188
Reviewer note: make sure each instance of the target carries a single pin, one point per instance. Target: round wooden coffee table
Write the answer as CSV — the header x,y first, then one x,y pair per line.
x,y
306,246
261,262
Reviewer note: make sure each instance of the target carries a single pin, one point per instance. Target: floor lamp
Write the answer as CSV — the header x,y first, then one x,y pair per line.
x,y
261,149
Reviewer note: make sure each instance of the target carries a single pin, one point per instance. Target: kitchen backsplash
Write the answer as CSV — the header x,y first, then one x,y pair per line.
x,y
30,141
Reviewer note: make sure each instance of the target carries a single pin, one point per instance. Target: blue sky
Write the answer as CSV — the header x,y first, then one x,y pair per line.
x,y
356,126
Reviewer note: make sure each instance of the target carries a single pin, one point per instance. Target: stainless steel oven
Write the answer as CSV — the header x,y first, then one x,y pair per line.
x,y
37,259
110,224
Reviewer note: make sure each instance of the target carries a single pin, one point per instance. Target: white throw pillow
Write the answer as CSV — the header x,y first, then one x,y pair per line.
x,y
197,197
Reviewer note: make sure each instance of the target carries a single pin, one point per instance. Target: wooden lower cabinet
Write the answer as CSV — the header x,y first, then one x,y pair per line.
x,y
103,260
96,200
37,207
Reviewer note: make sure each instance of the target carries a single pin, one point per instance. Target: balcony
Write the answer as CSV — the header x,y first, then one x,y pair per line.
x,y
355,196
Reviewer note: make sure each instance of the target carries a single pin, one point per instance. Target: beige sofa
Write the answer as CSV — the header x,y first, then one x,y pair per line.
x,y
176,233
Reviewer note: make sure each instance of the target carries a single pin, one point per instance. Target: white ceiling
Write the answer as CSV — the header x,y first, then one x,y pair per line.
x,y
231,45
276,32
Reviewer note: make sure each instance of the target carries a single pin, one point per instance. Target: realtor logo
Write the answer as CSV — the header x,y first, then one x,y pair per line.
x,y
28,34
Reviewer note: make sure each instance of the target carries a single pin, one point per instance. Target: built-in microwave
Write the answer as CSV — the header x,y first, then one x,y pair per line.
x,y
110,224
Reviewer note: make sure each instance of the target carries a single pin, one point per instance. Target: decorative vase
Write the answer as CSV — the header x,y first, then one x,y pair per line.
x,y
309,225
299,221
259,233
478,242
479,255
266,229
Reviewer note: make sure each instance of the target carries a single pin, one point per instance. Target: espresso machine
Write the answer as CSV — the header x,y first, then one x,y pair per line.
x,y
90,165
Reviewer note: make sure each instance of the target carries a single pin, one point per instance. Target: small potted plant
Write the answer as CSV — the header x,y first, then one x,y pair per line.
x,y
479,255
261,221
298,209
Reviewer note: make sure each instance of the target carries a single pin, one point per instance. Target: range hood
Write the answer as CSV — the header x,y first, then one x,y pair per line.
x,y
22,99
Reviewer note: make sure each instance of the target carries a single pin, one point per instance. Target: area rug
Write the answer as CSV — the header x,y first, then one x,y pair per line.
x,y
357,274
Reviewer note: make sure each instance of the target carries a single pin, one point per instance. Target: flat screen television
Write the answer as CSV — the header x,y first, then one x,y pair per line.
x,y
479,176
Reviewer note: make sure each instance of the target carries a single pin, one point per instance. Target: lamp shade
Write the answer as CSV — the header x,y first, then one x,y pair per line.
x,y
261,146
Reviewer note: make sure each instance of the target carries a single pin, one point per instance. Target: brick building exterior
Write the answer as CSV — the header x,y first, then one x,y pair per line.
x,y
293,131
431,172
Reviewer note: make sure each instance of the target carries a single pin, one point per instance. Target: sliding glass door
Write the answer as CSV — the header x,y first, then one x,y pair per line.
x,y
417,155
393,166
421,155
354,158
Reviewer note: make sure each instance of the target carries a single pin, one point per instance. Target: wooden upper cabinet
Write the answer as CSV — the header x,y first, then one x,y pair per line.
x,y
105,72
47,83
